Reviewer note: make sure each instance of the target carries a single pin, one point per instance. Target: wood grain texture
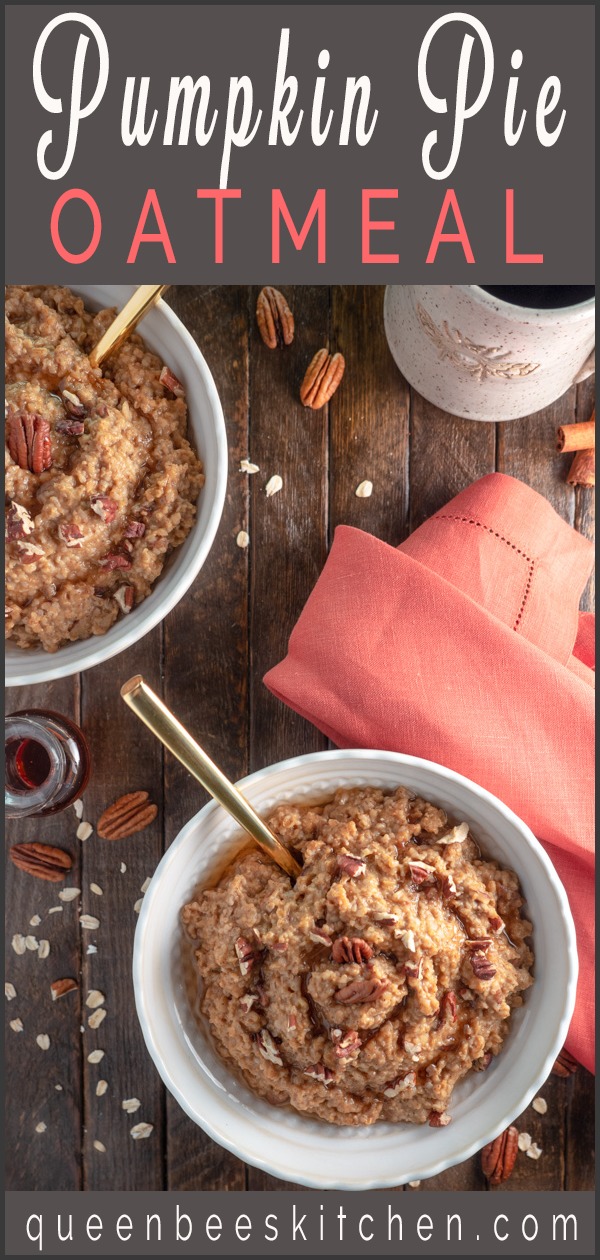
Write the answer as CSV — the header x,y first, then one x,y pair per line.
x,y
208,660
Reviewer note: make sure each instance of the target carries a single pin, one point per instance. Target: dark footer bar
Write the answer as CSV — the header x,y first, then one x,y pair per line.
x,y
306,1223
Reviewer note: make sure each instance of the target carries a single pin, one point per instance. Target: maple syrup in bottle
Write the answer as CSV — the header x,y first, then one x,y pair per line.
x,y
47,763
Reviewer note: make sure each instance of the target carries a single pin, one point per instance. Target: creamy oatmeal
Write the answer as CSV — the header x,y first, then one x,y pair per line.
x,y
101,481
390,969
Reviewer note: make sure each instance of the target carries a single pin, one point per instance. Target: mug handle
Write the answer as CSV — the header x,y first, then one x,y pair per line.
x,y
586,369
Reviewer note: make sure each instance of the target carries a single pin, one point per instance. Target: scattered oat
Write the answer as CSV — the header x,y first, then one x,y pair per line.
x,y
91,949
43,949
414,1184
78,807
247,467
32,943
89,922
130,1105
145,885
122,868
95,1056
41,1127
43,1041
364,490
524,1141
101,1088
99,1146
94,999
534,1151
95,888
18,943
35,922
9,991
243,539
55,910
69,894
59,1088
540,1105
84,831
141,1130
16,1025
273,486
96,1017
138,905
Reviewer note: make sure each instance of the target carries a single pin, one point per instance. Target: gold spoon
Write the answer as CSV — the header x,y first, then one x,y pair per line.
x,y
140,302
151,710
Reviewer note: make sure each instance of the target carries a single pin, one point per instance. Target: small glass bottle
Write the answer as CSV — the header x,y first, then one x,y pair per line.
x,y
47,763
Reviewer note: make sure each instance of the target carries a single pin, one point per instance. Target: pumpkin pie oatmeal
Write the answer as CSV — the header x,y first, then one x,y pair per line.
x,y
388,971
101,481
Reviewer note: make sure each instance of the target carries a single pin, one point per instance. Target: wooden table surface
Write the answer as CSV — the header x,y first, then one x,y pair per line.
x,y
207,660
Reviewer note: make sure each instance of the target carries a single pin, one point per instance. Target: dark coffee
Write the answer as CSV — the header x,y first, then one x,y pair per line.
x,y
542,296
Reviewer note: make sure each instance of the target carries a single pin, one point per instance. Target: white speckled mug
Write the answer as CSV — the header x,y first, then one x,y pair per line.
x,y
478,356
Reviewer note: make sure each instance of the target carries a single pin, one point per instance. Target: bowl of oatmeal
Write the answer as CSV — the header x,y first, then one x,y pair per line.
x,y
411,990
115,477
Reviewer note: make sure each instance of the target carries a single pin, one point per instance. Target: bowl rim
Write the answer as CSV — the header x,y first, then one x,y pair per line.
x,y
99,649
220,1134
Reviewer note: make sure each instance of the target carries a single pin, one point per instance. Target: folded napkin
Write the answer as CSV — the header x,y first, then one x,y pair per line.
x,y
465,645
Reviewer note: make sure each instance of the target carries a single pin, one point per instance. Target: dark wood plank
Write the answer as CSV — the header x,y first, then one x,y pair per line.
x,y
585,499
125,758
288,531
50,1160
446,455
368,420
206,658
527,450
577,1096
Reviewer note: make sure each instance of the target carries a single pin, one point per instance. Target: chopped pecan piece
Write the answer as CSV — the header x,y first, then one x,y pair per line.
x,y
70,534
274,318
322,378
247,955
346,1045
29,445
320,1073
438,1119
496,924
359,991
400,1085
413,971
448,1007
115,561
134,529
18,522
319,936
482,967
72,428
73,405
29,551
498,1158
421,872
268,1047
247,1001
455,836
448,888
350,865
104,507
348,950
480,946
170,382
481,1064
125,598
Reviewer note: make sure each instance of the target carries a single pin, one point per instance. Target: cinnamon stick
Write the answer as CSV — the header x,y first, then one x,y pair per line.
x,y
583,469
577,437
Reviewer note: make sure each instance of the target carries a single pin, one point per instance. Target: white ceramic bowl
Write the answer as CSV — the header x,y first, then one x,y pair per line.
x,y
277,1139
165,334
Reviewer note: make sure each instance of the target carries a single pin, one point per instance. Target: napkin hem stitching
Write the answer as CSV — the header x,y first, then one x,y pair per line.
x,y
470,520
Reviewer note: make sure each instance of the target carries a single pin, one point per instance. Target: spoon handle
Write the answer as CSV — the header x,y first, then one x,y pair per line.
x,y
151,710
145,296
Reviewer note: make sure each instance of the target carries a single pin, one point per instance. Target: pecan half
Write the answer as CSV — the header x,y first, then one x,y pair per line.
x,y
322,378
28,436
350,865
359,991
346,1045
438,1119
347,950
18,522
170,381
104,507
129,814
482,967
498,1158
274,318
43,860
565,1065
58,988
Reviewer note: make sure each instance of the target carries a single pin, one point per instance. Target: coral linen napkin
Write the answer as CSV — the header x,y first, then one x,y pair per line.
x,y
465,645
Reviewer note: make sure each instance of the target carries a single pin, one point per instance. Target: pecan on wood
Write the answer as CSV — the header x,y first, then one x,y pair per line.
x,y
565,1065
129,814
274,318
43,860
323,375
349,950
58,988
28,437
359,991
498,1157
